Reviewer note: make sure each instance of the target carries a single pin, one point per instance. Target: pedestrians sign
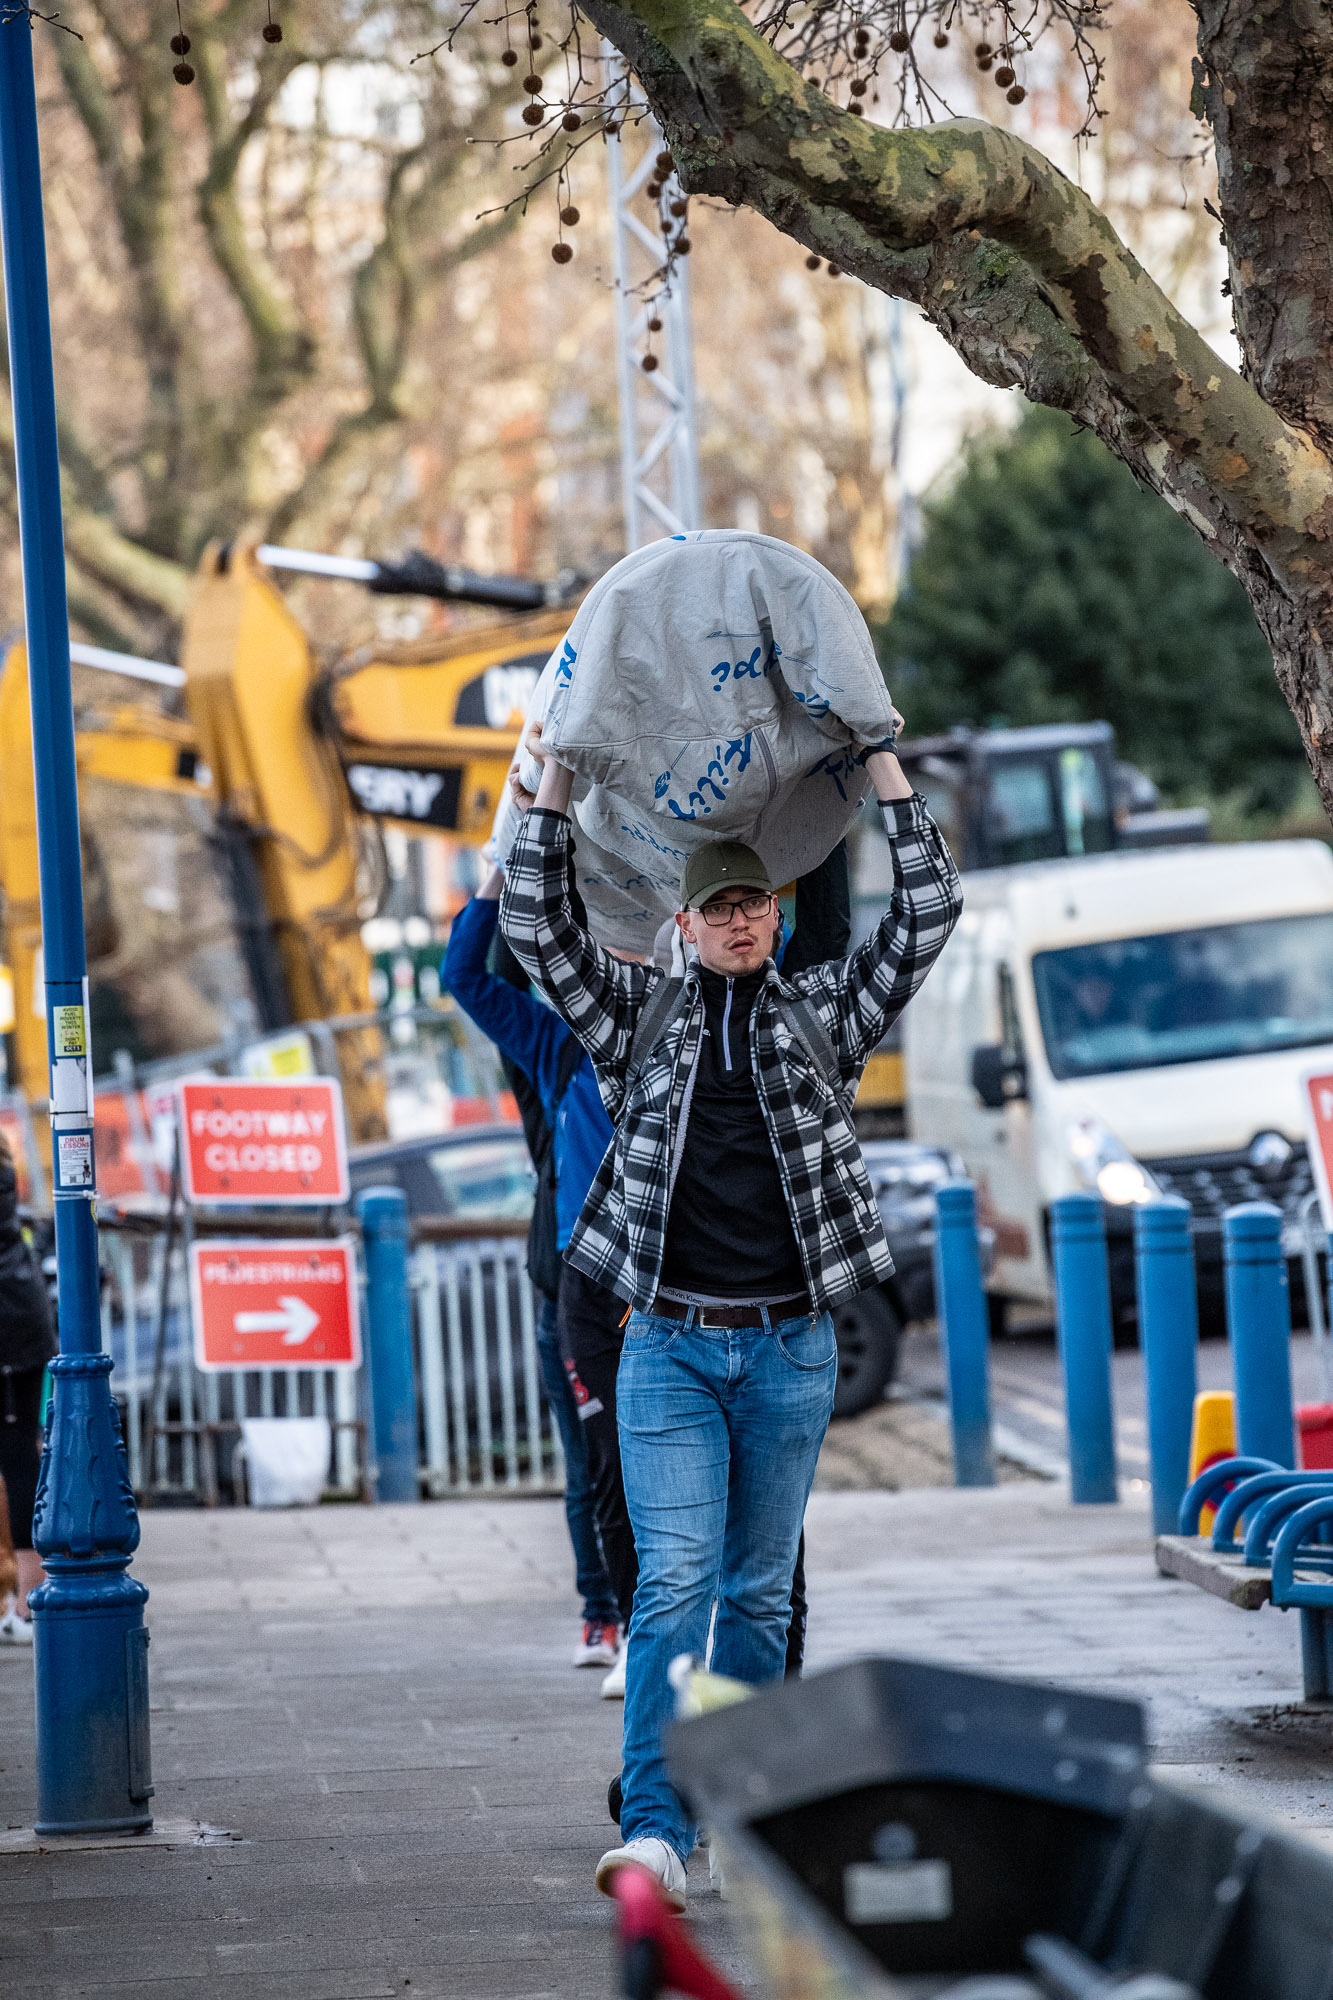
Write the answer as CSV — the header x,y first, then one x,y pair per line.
x,y
251,1142
1317,1103
275,1305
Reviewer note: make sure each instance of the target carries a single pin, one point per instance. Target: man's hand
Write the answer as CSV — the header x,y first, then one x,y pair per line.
x,y
557,785
519,792
492,888
886,773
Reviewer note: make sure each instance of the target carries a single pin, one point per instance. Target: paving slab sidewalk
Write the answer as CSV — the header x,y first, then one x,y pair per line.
x,y
378,1702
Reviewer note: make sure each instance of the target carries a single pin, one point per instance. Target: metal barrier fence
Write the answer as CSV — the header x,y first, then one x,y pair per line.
x,y
483,1422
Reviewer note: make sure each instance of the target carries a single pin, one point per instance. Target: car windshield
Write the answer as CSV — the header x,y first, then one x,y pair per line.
x,y
485,1177
1186,996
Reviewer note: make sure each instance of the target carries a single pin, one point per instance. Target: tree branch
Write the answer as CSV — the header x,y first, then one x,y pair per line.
x,y
744,125
284,347
126,567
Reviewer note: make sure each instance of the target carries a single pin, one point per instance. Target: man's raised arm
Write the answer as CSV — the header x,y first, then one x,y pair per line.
x,y
599,995
866,992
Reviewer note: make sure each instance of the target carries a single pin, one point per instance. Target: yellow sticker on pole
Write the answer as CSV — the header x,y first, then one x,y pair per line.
x,y
70,1026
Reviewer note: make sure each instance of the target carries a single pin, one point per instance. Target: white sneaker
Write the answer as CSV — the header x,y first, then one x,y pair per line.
x,y
15,1631
656,1856
599,1645
613,1686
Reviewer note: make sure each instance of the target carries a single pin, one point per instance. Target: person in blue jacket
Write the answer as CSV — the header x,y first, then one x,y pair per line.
x,y
537,1042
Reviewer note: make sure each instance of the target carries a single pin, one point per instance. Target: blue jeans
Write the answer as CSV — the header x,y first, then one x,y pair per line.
x,y
720,1432
594,1585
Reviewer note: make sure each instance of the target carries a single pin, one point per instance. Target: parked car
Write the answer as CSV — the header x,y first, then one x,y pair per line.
x,y
484,1171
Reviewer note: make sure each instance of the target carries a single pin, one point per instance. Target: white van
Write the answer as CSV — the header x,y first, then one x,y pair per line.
x,y
1132,1023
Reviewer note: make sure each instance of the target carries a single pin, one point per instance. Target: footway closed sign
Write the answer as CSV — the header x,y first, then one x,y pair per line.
x,y
275,1305
253,1143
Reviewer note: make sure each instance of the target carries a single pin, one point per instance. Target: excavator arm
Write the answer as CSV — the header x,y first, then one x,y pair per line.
x,y
294,759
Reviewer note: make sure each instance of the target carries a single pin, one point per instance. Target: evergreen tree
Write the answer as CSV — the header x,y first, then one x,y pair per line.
x,y
1049,586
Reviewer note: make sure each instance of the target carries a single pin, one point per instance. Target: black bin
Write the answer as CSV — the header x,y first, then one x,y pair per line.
x,y
896,1818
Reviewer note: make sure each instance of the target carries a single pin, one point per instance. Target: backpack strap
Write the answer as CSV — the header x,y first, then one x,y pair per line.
x,y
659,1011
810,1031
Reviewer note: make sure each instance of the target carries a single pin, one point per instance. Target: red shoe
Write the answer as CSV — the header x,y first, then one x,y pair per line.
x,y
601,1643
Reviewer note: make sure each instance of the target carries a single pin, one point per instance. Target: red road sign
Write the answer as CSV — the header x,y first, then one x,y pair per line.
x,y
1317,1103
275,1305
252,1142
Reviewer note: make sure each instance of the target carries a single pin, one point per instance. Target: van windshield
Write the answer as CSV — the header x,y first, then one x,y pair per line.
x,y
1186,996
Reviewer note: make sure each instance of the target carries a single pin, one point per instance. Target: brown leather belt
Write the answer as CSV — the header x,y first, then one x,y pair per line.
x,y
731,1316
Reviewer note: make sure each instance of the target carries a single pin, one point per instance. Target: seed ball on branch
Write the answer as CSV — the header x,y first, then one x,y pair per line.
x,y
680,207
561,253
533,114
900,40
664,162
571,121
654,324
984,49
272,31
682,246
812,263
1016,95
653,189
1003,77
984,62
183,73
858,86
532,83
649,364
941,39
534,41
833,271
510,59
180,45
569,216
856,108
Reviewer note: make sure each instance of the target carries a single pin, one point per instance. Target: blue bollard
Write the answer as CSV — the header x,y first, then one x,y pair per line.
x,y
1259,1326
1083,1319
89,1643
1168,1336
393,1380
964,1333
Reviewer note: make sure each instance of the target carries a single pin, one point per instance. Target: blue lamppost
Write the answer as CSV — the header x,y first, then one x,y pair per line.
x,y
90,1644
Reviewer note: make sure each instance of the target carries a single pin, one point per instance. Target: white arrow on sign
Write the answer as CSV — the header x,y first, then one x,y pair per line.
x,y
296,1321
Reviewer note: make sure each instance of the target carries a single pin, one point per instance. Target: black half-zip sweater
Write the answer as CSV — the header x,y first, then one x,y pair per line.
x,y
728,1233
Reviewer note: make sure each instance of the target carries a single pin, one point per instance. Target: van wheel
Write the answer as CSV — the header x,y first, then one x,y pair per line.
x,y
868,1332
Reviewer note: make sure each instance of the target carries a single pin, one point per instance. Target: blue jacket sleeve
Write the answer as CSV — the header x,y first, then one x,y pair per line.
x,y
525,1030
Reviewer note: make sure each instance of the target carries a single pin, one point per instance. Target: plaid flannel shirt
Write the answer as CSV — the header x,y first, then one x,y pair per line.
x,y
619,1239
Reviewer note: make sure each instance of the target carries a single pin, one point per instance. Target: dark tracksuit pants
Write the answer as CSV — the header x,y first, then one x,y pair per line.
x,y
589,1320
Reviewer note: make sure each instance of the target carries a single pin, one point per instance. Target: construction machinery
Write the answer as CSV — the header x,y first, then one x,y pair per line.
x,y
294,761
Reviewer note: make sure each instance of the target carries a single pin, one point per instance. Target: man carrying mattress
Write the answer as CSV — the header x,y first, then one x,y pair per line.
x,y
732,1211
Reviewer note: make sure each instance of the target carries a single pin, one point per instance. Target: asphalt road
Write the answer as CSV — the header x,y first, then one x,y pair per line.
x,y
1027,1398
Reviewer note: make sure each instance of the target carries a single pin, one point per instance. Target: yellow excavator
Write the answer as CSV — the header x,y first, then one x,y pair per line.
x,y
290,756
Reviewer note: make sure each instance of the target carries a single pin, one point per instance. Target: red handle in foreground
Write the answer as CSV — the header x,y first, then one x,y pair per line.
x,y
658,1952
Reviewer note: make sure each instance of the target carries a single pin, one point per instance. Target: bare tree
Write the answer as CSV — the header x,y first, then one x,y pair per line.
x,y
1025,276
240,271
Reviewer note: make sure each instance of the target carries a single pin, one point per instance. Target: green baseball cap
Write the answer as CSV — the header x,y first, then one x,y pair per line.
x,y
723,864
